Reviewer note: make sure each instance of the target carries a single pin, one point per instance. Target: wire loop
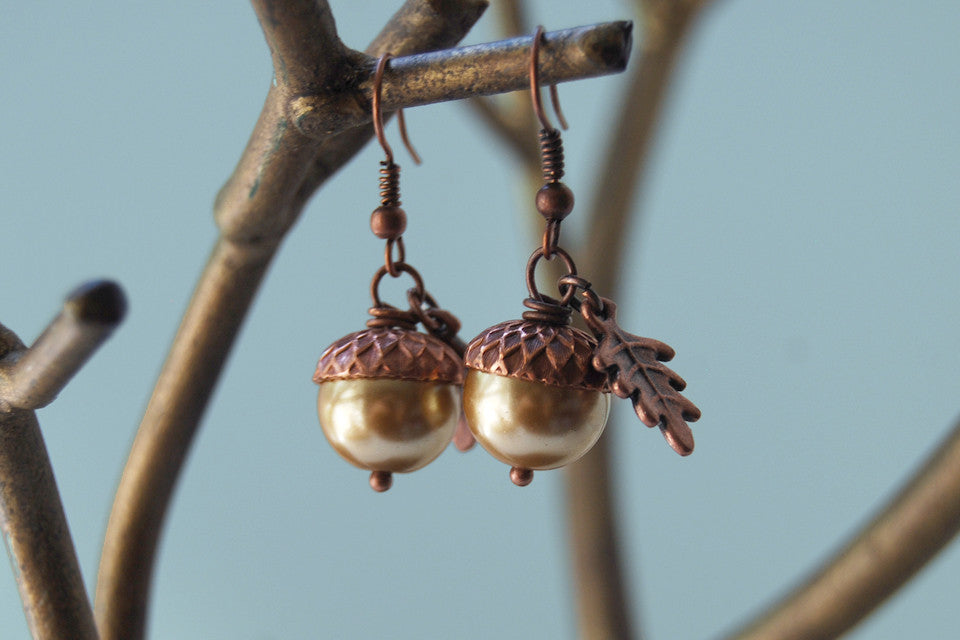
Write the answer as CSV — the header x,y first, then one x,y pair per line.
x,y
551,239
377,113
391,265
535,86
567,296
400,267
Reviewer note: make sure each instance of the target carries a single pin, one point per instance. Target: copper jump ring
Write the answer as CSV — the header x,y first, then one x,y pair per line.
x,y
567,297
590,297
422,303
402,267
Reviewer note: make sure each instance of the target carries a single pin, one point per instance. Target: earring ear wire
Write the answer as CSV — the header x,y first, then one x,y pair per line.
x,y
538,38
377,115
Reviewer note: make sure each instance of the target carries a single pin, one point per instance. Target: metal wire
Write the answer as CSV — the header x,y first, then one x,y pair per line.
x,y
377,113
535,86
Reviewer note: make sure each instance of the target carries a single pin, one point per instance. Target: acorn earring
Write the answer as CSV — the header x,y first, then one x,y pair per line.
x,y
389,397
536,393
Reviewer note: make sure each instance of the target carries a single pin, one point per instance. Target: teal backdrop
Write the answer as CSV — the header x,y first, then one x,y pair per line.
x,y
799,249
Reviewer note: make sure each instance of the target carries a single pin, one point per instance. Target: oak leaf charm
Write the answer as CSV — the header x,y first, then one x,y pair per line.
x,y
635,370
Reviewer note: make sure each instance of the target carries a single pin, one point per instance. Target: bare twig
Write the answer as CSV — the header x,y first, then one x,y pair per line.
x,y
89,316
302,36
186,381
603,605
666,24
476,70
31,514
913,528
908,532
35,530
279,170
597,559
512,16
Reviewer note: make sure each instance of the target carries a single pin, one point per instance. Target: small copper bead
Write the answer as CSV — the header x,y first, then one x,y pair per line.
x,y
520,476
388,222
554,201
381,481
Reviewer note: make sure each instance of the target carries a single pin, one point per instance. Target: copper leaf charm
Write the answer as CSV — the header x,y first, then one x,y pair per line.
x,y
635,370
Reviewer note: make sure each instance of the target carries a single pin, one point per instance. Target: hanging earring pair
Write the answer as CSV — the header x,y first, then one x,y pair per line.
x,y
536,393
389,398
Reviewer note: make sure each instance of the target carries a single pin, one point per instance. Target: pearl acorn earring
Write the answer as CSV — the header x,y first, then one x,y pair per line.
x,y
536,393
389,397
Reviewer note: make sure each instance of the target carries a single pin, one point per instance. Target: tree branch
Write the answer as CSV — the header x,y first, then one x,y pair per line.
x,y
517,136
591,511
37,536
302,36
604,608
476,70
512,16
600,589
89,316
906,534
629,142
278,172
31,514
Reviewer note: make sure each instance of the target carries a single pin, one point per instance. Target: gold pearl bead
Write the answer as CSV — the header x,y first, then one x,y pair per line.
x,y
388,425
533,425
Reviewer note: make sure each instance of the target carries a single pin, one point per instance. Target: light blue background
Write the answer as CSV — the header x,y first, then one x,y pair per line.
x,y
799,250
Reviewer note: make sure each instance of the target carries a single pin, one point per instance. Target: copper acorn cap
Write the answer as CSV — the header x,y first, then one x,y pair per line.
x,y
557,355
390,353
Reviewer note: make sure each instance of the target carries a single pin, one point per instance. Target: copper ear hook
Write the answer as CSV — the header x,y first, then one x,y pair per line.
x,y
535,86
378,114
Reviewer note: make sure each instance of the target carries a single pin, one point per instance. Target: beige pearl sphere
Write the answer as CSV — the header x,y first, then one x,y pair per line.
x,y
533,425
388,425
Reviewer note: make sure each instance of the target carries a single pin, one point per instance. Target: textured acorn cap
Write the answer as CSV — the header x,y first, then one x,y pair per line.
x,y
557,355
398,354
